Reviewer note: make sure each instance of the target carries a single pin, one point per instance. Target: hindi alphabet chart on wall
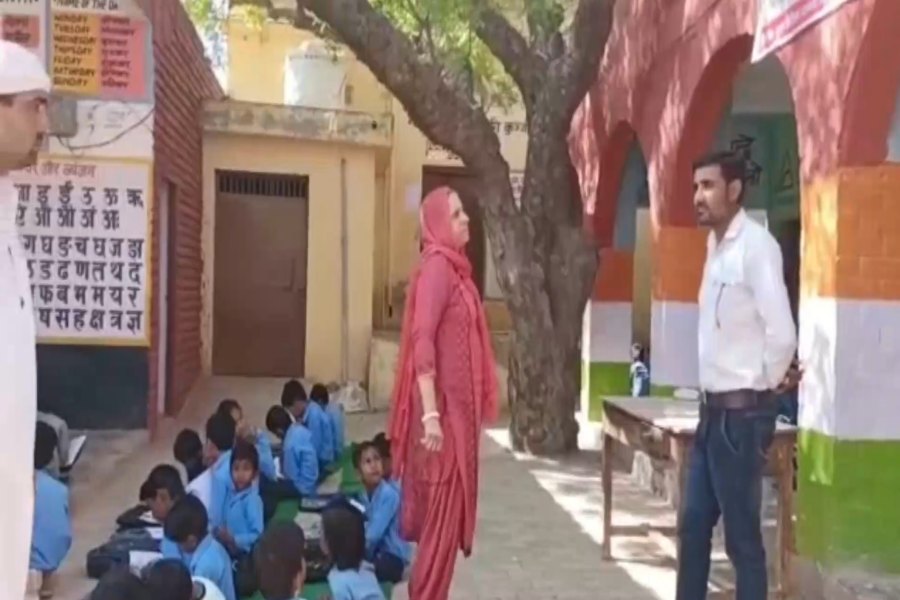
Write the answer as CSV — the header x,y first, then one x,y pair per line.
x,y
85,230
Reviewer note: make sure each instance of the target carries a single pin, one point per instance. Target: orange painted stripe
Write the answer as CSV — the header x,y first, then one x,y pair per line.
x,y
678,257
851,234
615,277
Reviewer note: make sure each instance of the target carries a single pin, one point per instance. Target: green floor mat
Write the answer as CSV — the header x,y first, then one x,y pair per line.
x,y
316,591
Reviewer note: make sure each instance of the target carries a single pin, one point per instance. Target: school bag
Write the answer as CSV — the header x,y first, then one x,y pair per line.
x,y
117,551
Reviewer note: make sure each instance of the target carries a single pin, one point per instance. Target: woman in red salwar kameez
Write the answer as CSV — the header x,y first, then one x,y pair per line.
x,y
445,390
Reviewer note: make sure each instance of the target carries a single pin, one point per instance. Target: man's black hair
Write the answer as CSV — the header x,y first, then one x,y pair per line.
x,y
165,477
245,451
220,430
45,444
169,579
732,165
187,518
227,405
319,393
278,421
345,533
278,559
293,392
383,444
121,584
358,450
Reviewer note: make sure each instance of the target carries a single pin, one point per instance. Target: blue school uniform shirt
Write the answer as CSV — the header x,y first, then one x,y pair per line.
x,y
221,484
335,413
383,523
319,425
211,560
301,463
354,585
51,533
266,458
244,517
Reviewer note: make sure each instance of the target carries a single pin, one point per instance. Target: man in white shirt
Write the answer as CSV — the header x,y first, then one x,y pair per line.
x,y
747,341
24,87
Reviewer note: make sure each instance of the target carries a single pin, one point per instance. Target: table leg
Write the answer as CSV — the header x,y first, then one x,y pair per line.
x,y
607,496
785,460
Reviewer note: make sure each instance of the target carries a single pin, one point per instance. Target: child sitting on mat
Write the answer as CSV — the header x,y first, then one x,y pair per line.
x,y
279,562
384,449
242,515
220,435
298,404
51,536
299,458
385,549
344,541
188,526
258,438
163,490
188,450
335,413
169,579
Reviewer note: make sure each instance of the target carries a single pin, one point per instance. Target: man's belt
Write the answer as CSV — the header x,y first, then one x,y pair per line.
x,y
736,399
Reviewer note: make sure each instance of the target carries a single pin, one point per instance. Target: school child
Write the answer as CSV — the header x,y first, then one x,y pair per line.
x,y
51,534
188,451
121,584
387,466
279,562
344,541
243,512
639,373
163,490
299,458
335,413
256,437
298,404
385,549
220,434
169,579
188,526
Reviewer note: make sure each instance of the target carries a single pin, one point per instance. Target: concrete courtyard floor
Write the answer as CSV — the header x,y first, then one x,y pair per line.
x,y
539,521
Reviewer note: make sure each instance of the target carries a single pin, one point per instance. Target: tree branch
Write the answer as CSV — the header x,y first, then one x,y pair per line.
x,y
436,104
586,42
509,46
300,19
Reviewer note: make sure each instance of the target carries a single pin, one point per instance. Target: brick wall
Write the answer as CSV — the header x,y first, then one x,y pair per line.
x,y
183,82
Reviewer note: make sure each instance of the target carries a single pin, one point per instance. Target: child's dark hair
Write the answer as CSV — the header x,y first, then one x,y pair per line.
x,y
45,444
187,518
345,534
188,446
319,393
358,450
121,584
220,430
169,579
293,392
278,421
164,477
245,451
227,406
278,559
383,444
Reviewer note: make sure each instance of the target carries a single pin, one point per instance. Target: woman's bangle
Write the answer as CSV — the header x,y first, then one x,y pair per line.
x,y
431,415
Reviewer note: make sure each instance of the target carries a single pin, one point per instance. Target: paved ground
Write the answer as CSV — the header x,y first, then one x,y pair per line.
x,y
539,522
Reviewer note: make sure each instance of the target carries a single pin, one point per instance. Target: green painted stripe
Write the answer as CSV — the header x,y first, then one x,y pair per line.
x,y
847,501
604,379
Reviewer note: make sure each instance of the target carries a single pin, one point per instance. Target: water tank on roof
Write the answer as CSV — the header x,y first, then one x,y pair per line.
x,y
315,75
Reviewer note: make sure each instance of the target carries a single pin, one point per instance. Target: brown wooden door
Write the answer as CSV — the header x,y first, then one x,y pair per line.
x,y
259,324
464,184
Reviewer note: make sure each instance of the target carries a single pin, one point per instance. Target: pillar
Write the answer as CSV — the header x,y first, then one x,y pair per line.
x,y
849,447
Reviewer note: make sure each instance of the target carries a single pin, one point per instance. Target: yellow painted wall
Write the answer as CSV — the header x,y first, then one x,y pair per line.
x,y
321,163
256,74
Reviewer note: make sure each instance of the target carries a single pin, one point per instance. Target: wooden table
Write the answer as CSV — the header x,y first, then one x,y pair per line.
x,y
664,428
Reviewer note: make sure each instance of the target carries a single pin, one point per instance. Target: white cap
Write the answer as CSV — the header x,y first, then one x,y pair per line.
x,y
21,71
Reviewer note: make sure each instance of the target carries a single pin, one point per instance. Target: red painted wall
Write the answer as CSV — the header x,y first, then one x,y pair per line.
x,y
184,80
668,70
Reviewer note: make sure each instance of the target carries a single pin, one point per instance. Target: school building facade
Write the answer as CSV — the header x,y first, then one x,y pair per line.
x,y
817,117
110,216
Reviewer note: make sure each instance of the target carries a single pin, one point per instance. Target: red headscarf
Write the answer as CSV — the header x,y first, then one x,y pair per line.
x,y
439,241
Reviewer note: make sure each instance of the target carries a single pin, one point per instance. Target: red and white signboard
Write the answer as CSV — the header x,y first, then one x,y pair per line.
x,y
780,21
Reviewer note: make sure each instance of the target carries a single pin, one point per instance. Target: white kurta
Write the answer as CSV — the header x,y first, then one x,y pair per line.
x,y
18,403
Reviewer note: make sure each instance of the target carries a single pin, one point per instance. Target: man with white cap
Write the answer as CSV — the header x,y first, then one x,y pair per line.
x,y
24,88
